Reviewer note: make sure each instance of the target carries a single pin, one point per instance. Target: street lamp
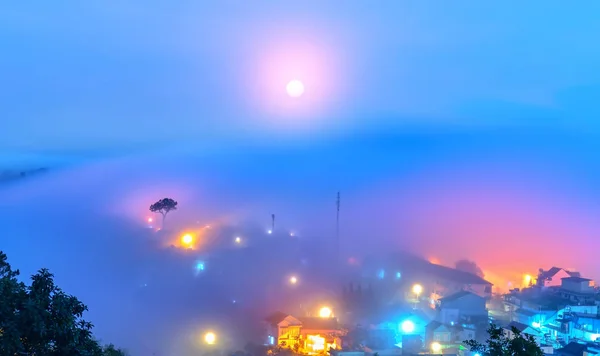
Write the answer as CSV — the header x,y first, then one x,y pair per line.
x,y
187,239
293,280
436,347
210,338
325,312
407,327
417,289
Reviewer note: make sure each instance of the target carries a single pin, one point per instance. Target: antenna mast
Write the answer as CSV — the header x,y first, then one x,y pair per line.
x,y
273,223
337,229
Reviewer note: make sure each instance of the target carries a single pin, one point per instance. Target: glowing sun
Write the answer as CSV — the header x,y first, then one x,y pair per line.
x,y
295,88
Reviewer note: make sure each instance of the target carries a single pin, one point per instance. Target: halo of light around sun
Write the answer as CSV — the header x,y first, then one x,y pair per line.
x,y
295,88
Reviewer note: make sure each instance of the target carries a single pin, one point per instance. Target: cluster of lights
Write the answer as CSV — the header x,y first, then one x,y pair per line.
x,y
200,266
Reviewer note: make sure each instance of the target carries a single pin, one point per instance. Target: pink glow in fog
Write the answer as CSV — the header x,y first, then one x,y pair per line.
x,y
306,61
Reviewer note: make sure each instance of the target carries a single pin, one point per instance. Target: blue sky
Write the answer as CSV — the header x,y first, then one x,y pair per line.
x,y
99,75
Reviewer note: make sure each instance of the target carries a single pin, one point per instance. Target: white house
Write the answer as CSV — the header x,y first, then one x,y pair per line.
x,y
553,277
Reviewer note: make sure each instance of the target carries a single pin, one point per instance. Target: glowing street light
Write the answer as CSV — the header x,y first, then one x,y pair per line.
x,y
325,312
187,239
407,326
210,338
417,289
269,232
293,280
527,279
436,347
150,220
238,240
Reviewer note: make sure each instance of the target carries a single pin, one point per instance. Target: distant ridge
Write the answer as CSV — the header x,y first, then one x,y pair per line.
x,y
12,175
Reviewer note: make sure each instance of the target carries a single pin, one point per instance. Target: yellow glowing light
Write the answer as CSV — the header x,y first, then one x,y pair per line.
x,y
436,347
316,342
417,289
187,239
210,338
238,240
293,280
527,279
295,88
325,312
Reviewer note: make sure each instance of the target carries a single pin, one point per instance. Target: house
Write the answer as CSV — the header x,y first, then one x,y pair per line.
x,y
553,277
446,281
572,349
578,290
320,334
448,334
282,329
311,334
523,329
462,306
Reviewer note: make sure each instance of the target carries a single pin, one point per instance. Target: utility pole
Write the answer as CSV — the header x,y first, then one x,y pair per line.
x,y
273,223
337,231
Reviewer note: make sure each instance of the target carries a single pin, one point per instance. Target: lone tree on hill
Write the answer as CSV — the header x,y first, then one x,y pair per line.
x,y
469,267
500,344
41,319
163,206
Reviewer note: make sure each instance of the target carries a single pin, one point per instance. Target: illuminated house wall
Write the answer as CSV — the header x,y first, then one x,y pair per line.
x,y
309,333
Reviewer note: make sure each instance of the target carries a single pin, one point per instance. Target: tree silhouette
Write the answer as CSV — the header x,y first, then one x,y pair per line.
x,y
499,344
163,207
41,319
469,266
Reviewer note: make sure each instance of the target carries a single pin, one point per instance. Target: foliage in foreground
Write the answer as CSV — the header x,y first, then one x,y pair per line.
x,y
42,320
499,344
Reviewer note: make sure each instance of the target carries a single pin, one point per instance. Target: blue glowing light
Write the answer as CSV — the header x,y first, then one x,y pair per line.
x,y
407,326
271,340
381,274
200,266
398,275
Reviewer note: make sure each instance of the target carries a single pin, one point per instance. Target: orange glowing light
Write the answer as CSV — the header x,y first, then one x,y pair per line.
x,y
325,312
187,239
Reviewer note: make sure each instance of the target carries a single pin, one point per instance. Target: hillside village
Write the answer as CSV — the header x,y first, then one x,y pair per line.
x,y
416,307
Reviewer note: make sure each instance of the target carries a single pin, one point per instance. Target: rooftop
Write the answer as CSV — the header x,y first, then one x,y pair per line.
x,y
457,296
455,275
576,279
276,317
516,325
315,323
